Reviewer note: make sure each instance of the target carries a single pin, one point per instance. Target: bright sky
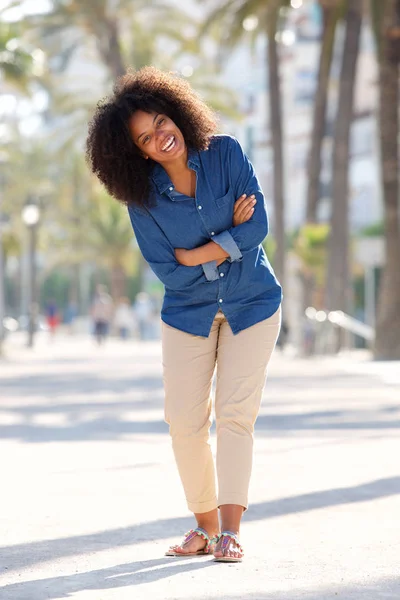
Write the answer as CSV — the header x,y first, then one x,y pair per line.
x,y
28,7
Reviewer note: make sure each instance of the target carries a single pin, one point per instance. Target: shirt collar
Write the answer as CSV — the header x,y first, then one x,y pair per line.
x,y
161,178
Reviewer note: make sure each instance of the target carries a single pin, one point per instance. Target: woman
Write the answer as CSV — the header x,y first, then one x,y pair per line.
x,y
199,217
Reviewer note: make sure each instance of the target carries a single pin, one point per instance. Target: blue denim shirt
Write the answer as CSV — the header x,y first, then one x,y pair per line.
x,y
244,286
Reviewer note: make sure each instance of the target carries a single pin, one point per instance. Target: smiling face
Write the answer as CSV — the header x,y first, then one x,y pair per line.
x,y
157,136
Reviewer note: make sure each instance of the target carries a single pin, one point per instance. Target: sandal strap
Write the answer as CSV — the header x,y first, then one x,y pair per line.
x,y
229,536
201,533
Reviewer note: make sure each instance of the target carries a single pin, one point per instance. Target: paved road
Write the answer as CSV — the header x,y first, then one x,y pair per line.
x,y
90,498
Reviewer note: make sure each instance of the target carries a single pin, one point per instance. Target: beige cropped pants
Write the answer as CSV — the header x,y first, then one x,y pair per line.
x,y
189,362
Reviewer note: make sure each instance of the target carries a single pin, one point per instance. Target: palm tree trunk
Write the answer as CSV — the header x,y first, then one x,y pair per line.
x,y
330,13
105,29
109,46
387,344
118,282
330,19
2,293
338,275
275,111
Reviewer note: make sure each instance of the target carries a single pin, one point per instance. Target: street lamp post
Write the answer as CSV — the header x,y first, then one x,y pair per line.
x,y
2,279
3,225
31,216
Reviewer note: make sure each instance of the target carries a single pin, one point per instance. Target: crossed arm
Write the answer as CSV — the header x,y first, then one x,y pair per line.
x,y
179,268
243,211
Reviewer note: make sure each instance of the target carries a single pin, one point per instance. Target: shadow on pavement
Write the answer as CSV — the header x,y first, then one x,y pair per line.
x,y
325,420
119,576
74,383
85,406
384,589
23,555
113,422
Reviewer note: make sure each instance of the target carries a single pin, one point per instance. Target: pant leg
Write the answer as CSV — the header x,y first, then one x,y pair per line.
x,y
241,373
188,364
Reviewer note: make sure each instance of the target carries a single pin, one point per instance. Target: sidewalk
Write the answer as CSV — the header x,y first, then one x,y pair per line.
x,y
90,497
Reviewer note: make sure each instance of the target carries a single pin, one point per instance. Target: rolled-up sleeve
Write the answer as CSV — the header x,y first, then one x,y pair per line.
x,y
159,253
227,243
210,270
247,236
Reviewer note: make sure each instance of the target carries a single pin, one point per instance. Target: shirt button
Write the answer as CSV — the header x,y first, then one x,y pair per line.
x,y
221,274
213,233
200,207
220,300
170,189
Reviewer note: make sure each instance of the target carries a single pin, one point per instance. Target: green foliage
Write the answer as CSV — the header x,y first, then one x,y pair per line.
x,y
374,230
110,234
225,20
376,11
310,245
11,243
269,245
16,62
56,285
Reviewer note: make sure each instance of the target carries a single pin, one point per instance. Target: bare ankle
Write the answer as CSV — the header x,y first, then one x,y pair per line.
x,y
231,515
211,528
209,522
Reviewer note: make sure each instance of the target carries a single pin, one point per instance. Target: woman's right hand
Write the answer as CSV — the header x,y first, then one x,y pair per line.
x,y
243,209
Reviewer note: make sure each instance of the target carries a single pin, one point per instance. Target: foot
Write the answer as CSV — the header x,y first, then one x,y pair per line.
x,y
194,543
228,548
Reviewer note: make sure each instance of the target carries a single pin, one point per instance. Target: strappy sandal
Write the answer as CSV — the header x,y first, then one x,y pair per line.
x,y
229,536
208,548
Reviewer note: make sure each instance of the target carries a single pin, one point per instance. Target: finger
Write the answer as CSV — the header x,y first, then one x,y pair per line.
x,y
248,214
245,202
245,206
245,216
239,202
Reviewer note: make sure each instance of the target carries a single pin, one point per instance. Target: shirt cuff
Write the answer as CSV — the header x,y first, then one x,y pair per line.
x,y
227,243
210,270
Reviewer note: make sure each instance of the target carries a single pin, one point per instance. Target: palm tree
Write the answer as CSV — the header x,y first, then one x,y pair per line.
x,y
15,60
338,277
111,239
386,18
87,226
124,32
330,16
15,68
310,246
275,107
227,22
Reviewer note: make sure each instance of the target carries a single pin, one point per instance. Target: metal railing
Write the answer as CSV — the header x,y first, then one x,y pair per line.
x,y
331,331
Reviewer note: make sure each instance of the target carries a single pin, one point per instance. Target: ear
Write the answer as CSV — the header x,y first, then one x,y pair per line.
x,y
145,156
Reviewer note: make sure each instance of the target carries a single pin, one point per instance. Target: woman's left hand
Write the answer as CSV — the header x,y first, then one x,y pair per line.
x,y
184,257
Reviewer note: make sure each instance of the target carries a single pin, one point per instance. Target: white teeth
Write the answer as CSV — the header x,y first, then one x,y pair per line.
x,y
169,144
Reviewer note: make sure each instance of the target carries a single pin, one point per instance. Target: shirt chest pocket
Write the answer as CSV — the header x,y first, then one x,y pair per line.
x,y
224,201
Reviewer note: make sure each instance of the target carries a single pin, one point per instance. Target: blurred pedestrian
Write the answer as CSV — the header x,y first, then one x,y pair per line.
x,y
71,312
143,308
101,312
52,316
199,216
123,318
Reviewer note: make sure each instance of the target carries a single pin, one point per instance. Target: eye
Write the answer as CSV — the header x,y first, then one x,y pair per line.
x,y
161,121
146,139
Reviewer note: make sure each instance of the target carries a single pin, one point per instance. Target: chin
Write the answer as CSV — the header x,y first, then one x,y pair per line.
x,y
177,154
